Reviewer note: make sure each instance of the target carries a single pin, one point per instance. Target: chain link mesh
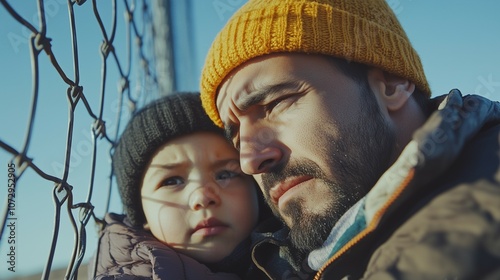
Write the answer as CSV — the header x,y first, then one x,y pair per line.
x,y
139,30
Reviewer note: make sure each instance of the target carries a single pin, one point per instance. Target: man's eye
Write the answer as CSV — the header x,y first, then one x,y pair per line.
x,y
271,105
172,181
276,103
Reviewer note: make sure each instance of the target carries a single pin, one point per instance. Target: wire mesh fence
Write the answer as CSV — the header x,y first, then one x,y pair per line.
x,y
96,84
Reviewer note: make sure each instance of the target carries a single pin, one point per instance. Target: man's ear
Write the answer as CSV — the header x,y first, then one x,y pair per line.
x,y
393,91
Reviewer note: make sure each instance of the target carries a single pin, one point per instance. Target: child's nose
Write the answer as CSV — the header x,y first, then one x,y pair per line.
x,y
206,195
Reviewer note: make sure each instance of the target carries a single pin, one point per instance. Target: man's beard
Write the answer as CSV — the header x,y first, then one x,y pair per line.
x,y
369,145
309,230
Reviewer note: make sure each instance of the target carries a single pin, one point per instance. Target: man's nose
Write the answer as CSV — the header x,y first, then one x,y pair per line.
x,y
259,151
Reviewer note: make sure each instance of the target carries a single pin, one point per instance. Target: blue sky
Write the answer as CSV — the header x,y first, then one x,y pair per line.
x,y
458,42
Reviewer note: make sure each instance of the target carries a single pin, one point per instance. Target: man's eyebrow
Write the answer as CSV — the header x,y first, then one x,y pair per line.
x,y
255,97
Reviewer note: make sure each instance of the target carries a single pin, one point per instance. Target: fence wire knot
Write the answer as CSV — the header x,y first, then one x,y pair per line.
x,y
86,210
106,48
42,43
99,128
75,91
61,192
21,162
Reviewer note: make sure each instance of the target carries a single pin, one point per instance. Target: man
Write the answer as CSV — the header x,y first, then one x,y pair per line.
x,y
329,106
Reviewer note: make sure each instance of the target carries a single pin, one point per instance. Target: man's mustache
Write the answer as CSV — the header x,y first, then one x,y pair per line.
x,y
280,173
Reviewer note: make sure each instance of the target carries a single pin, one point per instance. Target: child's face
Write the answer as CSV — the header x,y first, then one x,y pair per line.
x,y
196,198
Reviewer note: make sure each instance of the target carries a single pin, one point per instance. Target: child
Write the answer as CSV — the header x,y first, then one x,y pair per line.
x,y
189,207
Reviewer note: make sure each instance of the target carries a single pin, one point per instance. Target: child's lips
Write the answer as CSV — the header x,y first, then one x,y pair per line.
x,y
209,227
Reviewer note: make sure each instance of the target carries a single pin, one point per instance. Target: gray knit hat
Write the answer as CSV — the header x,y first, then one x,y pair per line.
x,y
164,119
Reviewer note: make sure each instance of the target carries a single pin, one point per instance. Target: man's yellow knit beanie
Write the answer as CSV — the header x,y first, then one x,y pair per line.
x,y
364,31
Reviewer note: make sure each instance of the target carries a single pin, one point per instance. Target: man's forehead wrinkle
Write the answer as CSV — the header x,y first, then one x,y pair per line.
x,y
258,94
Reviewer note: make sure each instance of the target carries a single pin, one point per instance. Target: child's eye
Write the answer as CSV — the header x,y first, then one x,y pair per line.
x,y
172,181
226,175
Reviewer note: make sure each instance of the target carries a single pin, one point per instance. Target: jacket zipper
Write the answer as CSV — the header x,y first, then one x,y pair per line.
x,y
373,224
